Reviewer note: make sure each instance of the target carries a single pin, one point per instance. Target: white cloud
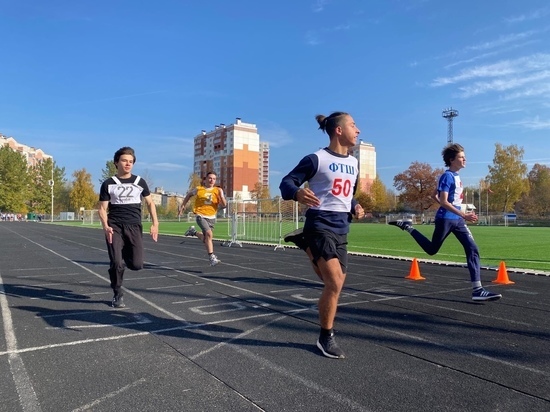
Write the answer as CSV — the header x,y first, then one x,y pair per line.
x,y
502,41
537,14
526,76
275,135
167,167
534,124
319,6
312,39
508,83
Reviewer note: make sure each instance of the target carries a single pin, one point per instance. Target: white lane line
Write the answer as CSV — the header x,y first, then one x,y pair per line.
x,y
141,321
185,326
171,287
73,343
23,385
46,276
108,396
36,285
195,300
322,390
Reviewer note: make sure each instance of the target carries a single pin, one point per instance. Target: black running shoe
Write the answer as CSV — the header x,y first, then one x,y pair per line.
x,y
402,224
297,237
118,301
329,347
190,232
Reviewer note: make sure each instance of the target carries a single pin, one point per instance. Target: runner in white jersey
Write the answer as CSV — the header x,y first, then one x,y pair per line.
x,y
332,177
120,214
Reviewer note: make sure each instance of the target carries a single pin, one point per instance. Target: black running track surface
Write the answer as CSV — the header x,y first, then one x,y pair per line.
x,y
241,336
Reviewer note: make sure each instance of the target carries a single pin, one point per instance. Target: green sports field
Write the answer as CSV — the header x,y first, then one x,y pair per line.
x,y
518,247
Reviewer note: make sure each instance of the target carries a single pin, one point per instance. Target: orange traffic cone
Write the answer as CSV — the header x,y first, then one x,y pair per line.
x,y
502,275
414,274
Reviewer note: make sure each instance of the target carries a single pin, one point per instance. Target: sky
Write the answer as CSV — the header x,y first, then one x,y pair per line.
x,y
80,79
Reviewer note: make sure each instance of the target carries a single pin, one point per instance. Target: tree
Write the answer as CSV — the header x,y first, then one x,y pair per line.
x,y
507,177
41,192
365,200
15,181
108,171
61,190
171,209
260,192
82,192
62,199
536,202
379,194
194,181
417,185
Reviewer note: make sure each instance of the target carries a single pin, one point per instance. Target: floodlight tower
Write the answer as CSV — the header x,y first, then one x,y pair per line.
x,y
450,114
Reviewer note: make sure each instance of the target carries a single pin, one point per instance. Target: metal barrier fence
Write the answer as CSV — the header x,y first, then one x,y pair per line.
x,y
262,220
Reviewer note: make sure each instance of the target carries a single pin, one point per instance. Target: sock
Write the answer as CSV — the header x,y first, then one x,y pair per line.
x,y
476,285
326,332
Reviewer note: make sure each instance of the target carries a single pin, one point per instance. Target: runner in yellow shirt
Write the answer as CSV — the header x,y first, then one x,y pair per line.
x,y
208,199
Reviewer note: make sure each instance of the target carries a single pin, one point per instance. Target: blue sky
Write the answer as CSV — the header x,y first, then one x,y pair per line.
x,y
79,79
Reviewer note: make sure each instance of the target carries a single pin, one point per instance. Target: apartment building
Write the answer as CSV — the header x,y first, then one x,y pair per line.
x,y
365,153
31,154
234,152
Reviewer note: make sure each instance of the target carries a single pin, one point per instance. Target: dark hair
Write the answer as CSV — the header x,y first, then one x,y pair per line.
x,y
330,123
122,151
210,173
450,152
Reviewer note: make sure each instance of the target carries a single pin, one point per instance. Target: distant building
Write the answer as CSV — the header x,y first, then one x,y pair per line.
x,y
365,153
263,177
32,155
235,153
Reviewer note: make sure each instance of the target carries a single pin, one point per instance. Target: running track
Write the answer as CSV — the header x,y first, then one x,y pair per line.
x,y
241,336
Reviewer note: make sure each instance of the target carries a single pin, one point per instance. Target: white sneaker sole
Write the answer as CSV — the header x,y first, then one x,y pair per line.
x,y
328,355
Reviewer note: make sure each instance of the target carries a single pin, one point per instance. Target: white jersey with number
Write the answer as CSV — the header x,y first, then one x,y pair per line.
x,y
334,181
125,193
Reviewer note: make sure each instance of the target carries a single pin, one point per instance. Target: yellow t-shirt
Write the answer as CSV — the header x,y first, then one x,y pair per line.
x,y
207,201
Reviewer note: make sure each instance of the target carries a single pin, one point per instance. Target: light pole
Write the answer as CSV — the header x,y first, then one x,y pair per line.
x,y
487,202
51,182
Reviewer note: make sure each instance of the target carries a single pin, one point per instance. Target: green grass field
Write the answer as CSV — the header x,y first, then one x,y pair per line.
x,y
518,247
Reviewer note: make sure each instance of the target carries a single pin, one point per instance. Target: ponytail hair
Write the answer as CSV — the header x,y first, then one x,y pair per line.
x,y
330,123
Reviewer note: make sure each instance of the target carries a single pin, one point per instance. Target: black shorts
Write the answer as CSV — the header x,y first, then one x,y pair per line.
x,y
328,245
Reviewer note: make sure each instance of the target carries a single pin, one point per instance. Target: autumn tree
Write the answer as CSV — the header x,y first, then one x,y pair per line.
x,y
392,200
171,209
260,192
536,202
365,200
507,177
417,185
379,195
194,181
82,192
15,181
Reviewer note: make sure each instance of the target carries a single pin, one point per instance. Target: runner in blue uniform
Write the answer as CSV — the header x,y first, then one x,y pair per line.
x,y
451,218
332,176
